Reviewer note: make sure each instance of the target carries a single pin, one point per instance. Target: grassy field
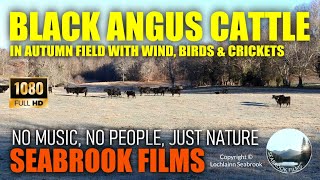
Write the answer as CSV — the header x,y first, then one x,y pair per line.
x,y
242,108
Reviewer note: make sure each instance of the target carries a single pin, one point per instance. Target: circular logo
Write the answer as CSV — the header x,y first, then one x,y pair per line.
x,y
289,151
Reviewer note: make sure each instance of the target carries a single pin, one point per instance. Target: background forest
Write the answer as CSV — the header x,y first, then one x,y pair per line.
x,y
301,61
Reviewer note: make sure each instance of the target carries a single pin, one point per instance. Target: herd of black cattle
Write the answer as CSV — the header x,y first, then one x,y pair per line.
x,y
116,92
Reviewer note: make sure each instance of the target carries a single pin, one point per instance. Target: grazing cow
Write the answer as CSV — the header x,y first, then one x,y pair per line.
x,y
281,99
176,90
131,93
50,89
3,88
144,90
81,90
113,92
77,90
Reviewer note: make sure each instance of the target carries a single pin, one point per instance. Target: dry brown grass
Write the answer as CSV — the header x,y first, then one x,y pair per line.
x,y
244,108
205,111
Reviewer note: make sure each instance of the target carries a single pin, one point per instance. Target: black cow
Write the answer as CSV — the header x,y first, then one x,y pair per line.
x,y
77,90
144,90
281,99
131,93
50,89
3,88
113,92
160,90
176,90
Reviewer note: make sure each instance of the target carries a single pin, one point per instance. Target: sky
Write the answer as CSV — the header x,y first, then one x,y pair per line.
x,y
206,7
286,139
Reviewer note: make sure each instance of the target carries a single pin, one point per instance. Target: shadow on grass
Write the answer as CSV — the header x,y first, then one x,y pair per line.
x,y
250,90
254,104
88,96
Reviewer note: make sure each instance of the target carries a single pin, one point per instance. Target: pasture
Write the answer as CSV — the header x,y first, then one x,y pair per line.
x,y
195,108
201,108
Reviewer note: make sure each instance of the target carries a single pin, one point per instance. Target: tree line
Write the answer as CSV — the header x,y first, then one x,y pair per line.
x,y
301,59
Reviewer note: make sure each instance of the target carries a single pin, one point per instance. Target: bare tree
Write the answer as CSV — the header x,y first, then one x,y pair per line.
x,y
315,18
53,68
315,30
302,55
172,69
4,58
123,64
148,69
